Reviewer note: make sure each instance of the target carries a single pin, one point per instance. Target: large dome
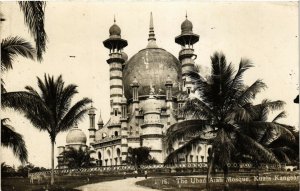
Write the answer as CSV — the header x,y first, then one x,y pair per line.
x,y
76,136
151,67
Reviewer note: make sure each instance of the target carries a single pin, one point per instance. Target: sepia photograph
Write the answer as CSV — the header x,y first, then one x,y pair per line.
x,y
144,95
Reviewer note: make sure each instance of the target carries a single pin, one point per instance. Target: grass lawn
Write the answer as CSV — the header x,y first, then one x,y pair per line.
x,y
66,183
188,183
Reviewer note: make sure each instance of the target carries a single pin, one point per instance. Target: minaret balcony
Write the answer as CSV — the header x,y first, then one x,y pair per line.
x,y
186,53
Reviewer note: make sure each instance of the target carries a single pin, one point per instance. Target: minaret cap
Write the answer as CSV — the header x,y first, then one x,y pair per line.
x,y
151,39
100,121
92,110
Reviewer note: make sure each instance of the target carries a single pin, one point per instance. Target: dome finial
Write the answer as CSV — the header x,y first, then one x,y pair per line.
x,y
114,18
151,39
186,14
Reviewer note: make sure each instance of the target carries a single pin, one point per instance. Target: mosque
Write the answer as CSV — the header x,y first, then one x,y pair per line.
x,y
146,92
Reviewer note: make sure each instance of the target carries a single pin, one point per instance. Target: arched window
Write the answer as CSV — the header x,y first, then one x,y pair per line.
x,y
116,112
118,152
116,133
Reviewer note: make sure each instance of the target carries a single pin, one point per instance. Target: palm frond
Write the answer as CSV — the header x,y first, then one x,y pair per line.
x,y
251,92
34,18
279,116
184,130
253,148
75,113
13,140
12,47
186,148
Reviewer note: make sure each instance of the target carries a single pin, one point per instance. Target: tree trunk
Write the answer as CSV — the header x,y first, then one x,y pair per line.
x,y
225,170
210,165
52,163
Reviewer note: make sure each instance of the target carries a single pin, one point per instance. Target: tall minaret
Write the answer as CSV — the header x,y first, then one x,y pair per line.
x,y
92,128
186,56
115,44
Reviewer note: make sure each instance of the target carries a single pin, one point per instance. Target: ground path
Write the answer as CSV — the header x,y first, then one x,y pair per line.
x,y
127,184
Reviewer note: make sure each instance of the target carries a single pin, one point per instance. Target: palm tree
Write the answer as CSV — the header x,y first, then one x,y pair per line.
x,y
218,96
277,137
140,155
78,158
34,18
50,109
13,140
12,47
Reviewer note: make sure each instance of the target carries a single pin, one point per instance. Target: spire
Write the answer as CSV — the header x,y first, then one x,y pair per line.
x,y
100,121
151,39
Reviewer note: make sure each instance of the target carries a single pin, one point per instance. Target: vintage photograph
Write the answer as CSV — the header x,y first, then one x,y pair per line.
x,y
149,95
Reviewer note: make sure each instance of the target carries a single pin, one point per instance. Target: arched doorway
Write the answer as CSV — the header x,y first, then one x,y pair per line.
x,y
99,159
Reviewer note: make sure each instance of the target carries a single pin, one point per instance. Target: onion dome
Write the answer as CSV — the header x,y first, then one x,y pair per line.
x,y
187,37
149,67
115,41
76,136
186,26
169,81
115,30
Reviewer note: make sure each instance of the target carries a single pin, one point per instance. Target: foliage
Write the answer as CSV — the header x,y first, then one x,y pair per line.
x,y
13,46
50,109
77,158
34,18
140,156
13,140
222,100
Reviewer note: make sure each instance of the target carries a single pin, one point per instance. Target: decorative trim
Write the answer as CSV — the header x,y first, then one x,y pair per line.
x,y
115,86
152,136
115,69
115,95
115,60
152,125
115,77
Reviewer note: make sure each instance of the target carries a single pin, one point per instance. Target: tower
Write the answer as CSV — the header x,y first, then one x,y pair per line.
x,y
169,98
124,129
186,55
115,44
92,128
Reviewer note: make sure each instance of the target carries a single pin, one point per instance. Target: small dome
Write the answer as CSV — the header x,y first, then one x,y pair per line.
x,y
115,30
186,26
76,136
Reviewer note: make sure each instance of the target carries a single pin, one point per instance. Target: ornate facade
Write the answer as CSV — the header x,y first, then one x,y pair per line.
x,y
146,92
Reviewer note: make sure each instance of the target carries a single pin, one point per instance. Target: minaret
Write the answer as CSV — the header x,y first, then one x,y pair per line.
x,y
169,98
115,44
92,128
186,56
152,127
135,94
124,129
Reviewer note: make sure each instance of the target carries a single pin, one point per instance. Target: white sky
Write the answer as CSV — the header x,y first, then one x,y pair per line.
x,y
266,33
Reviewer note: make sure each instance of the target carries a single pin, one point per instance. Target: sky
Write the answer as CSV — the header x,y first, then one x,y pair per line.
x,y
266,33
